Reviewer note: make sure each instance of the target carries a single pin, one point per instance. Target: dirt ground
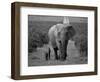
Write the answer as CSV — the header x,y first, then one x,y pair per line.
x,y
38,58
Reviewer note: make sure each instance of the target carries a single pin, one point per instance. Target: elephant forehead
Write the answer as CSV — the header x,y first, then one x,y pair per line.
x,y
59,27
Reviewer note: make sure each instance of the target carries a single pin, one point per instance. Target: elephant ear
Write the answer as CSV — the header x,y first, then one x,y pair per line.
x,y
71,31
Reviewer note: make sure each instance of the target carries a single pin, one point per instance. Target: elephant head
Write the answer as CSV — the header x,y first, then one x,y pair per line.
x,y
63,36
59,36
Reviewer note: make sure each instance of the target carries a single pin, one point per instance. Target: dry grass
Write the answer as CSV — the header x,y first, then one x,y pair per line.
x,y
37,58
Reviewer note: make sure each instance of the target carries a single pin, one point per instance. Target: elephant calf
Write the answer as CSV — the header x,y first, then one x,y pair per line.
x,y
46,50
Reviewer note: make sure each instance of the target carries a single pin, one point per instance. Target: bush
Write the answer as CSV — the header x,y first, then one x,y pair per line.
x,y
36,36
81,44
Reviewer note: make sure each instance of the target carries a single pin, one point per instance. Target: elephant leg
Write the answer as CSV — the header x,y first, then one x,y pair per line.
x,y
63,58
47,54
56,54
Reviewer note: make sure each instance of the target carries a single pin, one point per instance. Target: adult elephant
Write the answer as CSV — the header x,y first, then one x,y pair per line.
x,y
59,35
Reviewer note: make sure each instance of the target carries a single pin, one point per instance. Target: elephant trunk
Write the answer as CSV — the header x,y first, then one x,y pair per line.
x,y
63,50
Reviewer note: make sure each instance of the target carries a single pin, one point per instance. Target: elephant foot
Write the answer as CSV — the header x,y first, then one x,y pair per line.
x,y
62,59
57,58
47,56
